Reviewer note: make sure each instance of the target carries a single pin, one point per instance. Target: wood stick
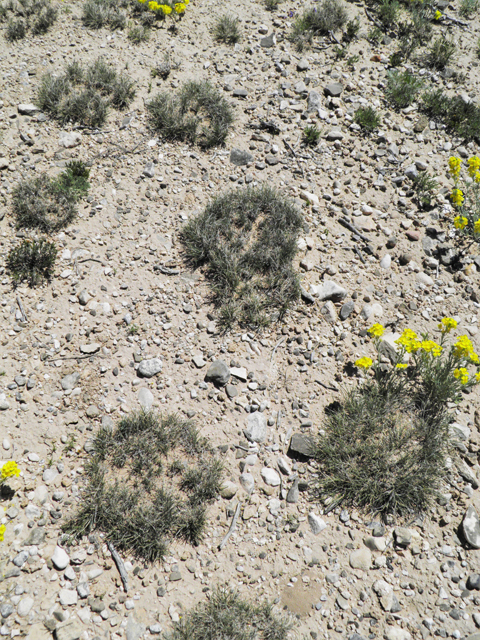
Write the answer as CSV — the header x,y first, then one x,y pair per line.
x,y
22,310
353,229
120,565
232,527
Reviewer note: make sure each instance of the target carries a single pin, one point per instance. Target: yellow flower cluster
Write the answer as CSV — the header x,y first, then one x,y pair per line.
x,y
476,226
438,15
376,330
429,346
461,374
454,167
2,532
180,7
401,365
166,9
457,197
408,340
447,324
463,348
460,222
364,363
473,166
9,469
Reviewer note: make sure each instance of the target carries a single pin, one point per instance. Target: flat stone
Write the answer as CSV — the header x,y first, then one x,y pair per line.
x,y
27,109
70,629
239,372
361,559
145,398
396,633
301,444
90,348
231,391
256,430
68,597
60,559
425,279
70,382
175,576
228,489
334,89
49,475
218,373
403,536
317,525
384,592
149,368
240,93
198,361
69,140
347,309
375,544
240,158
24,606
335,134
314,102
247,481
270,477
268,41
36,537
329,290
329,312
471,527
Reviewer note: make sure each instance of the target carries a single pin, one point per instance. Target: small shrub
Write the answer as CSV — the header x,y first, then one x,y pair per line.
x,y
27,15
459,116
197,114
226,615
352,29
226,30
74,180
468,8
387,11
131,497
311,135
331,15
375,36
424,186
367,118
247,240
441,52
84,95
32,261
139,34
272,5
102,13
162,69
46,19
402,88
386,443
16,29
417,31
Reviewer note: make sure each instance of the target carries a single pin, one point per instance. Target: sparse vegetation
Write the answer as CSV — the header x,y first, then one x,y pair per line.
x,y
226,615
162,69
330,15
102,13
272,5
130,495
468,8
311,135
138,34
84,95
197,114
25,16
246,240
402,88
32,261
424,186
460,116
441,52
367,118
226,30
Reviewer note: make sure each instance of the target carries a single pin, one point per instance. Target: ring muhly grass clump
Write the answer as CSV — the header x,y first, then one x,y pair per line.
x,y
385,445
197,114
227,615
32,261
27,15
247,240
316,21
402,88
149,481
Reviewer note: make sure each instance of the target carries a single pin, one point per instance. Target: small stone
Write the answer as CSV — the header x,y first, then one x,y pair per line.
x,y
384,592
334,89
27,109
239,372
247,481
425,279
60,559
70,381
240,158
24,606
49,475
149,170
314,102
303,65
68,630
471,527
149,368
69,140
329,312
284,466
134,630
347,309
20,559
228,489
231,391
145,398
256,430
89,349
268,41
240,93
301,444
375,543
293,494
317,525
83,590
198,361
335,134
386,261
361,559
396,633
175,576
473,582
403,536
329,290
4,404
68,597
270,477
218,373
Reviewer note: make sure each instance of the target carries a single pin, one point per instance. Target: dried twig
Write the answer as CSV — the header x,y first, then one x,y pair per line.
x,y
455,21
22,310
372,19
232,527
351,227
326,386
290,148
120,565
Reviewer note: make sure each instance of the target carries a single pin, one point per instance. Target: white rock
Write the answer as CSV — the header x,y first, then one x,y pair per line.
x,y
284,466
396,633
6,444
317,525
247,481
4,404
150,368
70,139
145,398
24,606
384,592
256,430
60,559
239,372
329,290
68,597
49,475
270,476
311,198
425,279
386,261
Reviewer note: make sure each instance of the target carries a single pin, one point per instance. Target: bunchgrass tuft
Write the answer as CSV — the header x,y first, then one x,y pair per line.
x,y
138,34
22,16
197,114
441,53
84,94
103,13
247,240
402,88
16,29
328,16
367,118
460,116
131,495
226,29
311,135
226,615
32,261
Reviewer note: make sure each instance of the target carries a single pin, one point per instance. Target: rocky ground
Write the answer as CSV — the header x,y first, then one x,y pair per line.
x,y
122,303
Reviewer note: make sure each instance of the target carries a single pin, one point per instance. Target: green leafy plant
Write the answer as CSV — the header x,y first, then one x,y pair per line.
x,y
367,118
424,186
73,181
128,496
387,12
459,116
375,36
441,53
226,30
311,135
402,88
352,29
386,443
32,261
16,29
247,240
272,5
197,114
468,8
328,16
226,615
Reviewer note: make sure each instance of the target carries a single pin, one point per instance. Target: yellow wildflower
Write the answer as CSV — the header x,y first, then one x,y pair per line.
x,y
166,9
180,7
473,165
438,15
463,347
460,222
429,346
477,376
476,177
364,363
447,324
474,358
409,341
142,1
400,365
376,330
457,197
476,226
461,374
455,165
9,469
153,6
2,532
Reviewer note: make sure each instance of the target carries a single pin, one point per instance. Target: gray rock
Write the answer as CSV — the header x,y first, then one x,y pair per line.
x,y
70,139
303,65
60,559
317,525
293,494
198,361
471,527
83,590
248,482
175,576
334,89
361,559
411,172
239,157
88,349
20,559
300,87
24,606
27,109
149,170
268,41
347,309
284,466
70,381
149,368
231,391
335,134
403,536
329,312
49,475
473,582
256,430
240,93
329,290
386,261
218,373
36,537
68,630
301,444
68,597
145,398
228,489
270,477
4,404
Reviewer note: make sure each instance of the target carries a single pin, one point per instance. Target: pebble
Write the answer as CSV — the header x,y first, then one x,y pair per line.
x,y
149,368
60,558
145,398
317,525
256,430
270,476
361,559
25,606
218,373
471,527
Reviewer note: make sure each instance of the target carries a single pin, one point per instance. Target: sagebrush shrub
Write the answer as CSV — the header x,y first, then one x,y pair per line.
x,y
32,261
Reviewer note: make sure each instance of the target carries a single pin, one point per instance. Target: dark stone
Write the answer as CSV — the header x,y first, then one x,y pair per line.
x,y
347,309
175,576
239,157
268,41
240,93
218,373
473,582
301,446
333,89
